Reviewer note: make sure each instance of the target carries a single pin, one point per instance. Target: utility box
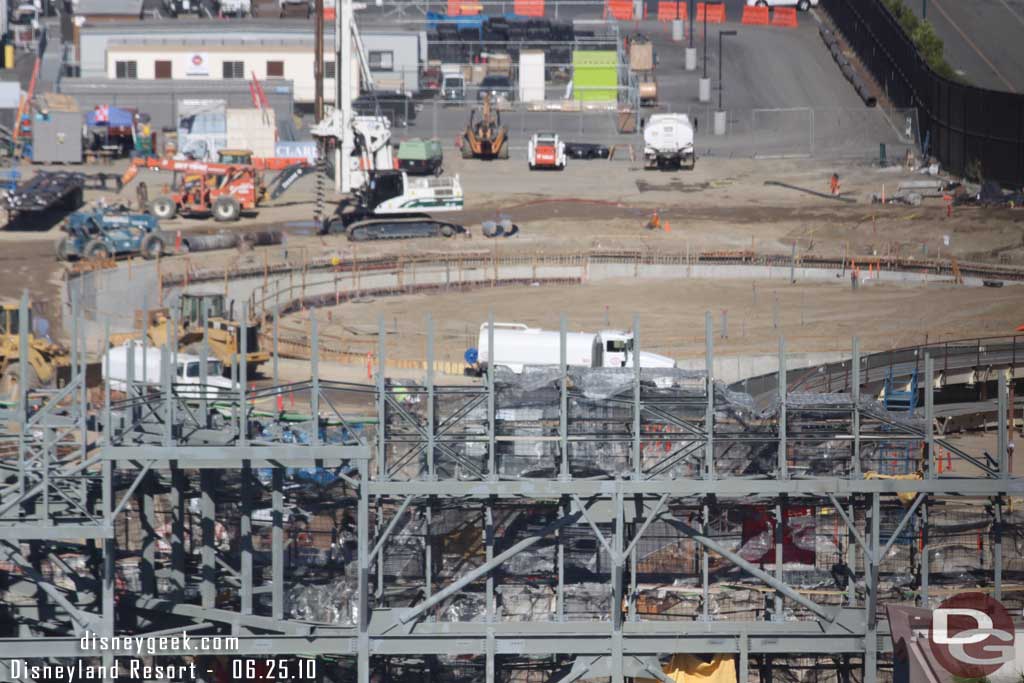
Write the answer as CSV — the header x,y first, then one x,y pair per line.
x,y
531,76
57,138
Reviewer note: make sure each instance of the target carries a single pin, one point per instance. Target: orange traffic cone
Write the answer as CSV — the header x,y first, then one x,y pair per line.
x,y
280,403
668,228
177,241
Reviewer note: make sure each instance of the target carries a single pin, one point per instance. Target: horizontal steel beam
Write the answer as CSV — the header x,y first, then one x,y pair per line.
x,y
35,531
698,487
231,457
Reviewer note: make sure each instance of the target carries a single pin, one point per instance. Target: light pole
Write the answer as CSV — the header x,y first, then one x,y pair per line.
x,y
691,51
720,113
721,85
705,39
704,83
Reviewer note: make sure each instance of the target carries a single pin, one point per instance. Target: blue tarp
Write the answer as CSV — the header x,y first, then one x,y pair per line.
x,y
119,118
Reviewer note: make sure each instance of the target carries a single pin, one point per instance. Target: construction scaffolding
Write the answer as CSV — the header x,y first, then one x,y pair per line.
x,y
554,525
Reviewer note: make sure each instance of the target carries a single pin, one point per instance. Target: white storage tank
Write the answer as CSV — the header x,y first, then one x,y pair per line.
x,y
517,345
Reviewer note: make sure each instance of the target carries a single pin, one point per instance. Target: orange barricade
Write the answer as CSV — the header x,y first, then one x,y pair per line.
x,y
715,12
619,9
529,8
755,16
784,16
463,8
668,11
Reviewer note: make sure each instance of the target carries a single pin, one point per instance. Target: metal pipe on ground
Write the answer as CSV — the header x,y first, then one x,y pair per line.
x,y
265,238
224,240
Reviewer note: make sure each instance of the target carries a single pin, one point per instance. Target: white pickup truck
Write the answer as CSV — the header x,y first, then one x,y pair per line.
x,y
668,142
147,370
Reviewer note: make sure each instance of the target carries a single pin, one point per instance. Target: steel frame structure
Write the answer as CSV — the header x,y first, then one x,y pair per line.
x,y
65,490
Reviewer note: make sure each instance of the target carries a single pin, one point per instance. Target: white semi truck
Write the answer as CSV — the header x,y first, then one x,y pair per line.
x,y
147,370
668,142
517,345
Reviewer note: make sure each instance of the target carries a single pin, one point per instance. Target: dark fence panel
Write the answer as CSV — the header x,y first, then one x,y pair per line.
x,y
962,125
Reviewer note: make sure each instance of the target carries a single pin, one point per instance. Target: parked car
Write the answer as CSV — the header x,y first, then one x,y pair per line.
x,y
498,87
453,88
430,81
802,5
397,107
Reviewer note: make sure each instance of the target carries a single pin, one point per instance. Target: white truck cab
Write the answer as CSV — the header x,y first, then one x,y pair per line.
x,y
614,349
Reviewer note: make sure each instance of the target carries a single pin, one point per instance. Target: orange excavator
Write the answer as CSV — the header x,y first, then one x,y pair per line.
x,y
201,187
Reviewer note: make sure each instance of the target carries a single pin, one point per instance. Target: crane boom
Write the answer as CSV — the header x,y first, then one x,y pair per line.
x,y
181,166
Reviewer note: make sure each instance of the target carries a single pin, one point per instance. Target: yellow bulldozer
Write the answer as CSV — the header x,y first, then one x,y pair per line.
x,y
223,332
47,362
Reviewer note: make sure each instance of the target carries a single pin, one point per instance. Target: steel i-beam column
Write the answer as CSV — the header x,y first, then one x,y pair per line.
x,y
277,544
208,553
179,509
929,416
245,542
783,464
871,618
855,392
709,410
147,506
363,534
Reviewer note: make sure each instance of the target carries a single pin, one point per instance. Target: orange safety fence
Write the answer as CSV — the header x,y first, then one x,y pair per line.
x,y
715,12
668,11
619,9
784,16
528,8
755,16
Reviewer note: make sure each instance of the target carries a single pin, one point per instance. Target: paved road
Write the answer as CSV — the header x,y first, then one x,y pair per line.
x,y
982,39
783,92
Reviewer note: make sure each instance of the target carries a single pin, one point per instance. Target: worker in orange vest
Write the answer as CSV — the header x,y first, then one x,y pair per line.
x,y
655,221
833,184
948,198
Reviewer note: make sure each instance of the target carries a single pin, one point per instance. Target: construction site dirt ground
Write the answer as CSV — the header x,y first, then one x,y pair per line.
x,y
813,317
722,205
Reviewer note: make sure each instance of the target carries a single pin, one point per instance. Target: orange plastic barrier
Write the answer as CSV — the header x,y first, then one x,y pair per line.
x,y
715,12
784,16
684,12
528,8
755,16
463,8
668,11
619,9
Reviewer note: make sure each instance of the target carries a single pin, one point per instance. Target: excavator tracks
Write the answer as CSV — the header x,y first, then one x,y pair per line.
x,y
401,229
